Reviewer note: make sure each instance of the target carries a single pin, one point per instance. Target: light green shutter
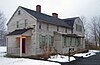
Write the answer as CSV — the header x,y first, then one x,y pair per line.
x,y
50,40
46,40
40,40
66,41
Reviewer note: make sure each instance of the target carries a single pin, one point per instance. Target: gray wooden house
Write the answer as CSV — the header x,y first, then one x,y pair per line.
x,y
34,33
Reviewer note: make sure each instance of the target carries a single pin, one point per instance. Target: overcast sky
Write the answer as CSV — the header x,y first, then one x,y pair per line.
x,y
64,8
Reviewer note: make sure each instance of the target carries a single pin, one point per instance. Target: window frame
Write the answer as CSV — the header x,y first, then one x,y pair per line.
x,y
19,12
17,24
25,22
40,26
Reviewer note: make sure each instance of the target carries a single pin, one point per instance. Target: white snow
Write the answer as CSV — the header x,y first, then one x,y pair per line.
x,y
2,49
88,54
95,51
21,61
24,61
61,58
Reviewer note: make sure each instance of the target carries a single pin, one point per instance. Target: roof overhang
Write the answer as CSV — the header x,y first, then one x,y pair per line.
x,y
24,32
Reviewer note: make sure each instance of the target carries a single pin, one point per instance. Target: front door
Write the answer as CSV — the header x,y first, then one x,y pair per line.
x,y
23,45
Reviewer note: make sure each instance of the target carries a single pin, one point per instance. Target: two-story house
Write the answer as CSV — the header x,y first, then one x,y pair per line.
x,y
34,33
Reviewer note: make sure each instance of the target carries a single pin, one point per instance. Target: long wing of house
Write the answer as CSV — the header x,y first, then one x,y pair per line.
x,y
34,33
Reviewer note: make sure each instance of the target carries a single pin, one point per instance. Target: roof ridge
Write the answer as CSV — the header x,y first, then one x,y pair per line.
x,y
46,17
38,12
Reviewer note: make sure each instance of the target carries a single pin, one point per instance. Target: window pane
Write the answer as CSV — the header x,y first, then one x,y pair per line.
x,y
25,22
17,24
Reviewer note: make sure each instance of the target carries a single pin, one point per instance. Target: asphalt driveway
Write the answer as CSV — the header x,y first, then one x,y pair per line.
x,y
93,60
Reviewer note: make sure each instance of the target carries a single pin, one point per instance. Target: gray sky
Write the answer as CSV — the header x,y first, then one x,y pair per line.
x,y
64,8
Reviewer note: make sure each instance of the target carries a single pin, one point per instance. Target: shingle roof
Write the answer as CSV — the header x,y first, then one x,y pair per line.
x,y
70,21
18,32
47,18
73,35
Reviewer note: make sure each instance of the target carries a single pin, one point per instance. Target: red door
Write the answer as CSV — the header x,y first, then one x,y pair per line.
x,y
23,45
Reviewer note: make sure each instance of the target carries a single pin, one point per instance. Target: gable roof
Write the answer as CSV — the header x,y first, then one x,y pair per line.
x,y
41,17
70,21
47,18
18,32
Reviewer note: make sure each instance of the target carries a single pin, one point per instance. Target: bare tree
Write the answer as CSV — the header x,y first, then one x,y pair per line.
x,y
2,21
85,24
95,29
2,28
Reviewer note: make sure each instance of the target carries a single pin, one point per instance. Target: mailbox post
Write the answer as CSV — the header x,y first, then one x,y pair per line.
x,y
70,50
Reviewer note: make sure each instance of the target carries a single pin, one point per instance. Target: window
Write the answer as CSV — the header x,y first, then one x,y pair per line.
x,y
78,28
68,41
19,12
25,22
40,40
78,41
64,40
17,24
73,41
57,28
39,25
43,40
47,26
52,40
66,30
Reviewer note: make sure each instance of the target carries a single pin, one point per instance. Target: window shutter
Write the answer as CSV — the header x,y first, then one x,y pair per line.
x,y
40,40
46,40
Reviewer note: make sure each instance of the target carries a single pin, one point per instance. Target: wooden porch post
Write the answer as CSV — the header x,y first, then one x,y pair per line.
x,y
20,46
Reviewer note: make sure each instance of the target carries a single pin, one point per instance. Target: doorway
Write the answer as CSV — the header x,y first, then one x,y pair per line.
x,y
23,45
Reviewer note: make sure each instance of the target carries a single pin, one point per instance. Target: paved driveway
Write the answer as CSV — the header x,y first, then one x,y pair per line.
x,y
93,60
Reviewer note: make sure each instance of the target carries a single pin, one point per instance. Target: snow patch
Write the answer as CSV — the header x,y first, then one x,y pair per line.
x,y
3,49
21,61
61,58
95,51
88,54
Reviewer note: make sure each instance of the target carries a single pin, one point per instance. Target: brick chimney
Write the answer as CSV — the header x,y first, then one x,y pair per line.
x,y
55,15
38,8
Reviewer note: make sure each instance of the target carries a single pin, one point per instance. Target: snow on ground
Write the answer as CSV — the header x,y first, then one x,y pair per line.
x,y
95,51
2,49
21,61
24,61
88,54
61,58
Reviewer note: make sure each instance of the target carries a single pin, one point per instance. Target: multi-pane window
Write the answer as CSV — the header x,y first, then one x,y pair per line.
x,y
47,26
39,25
78,28
68,41
78,41
17,24
66,30
19,12
64,40
52,40
57,28
73,41
25,22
